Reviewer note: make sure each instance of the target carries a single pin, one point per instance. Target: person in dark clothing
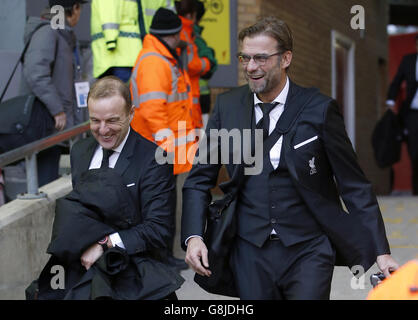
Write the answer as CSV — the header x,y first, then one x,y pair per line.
x,y
408,71
49,72
291,226
122,201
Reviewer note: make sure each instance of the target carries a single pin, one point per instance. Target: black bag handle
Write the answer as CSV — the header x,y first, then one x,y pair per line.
x,y
18,61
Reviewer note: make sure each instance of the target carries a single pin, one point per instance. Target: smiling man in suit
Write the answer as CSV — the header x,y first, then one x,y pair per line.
x,y
115,145
291,227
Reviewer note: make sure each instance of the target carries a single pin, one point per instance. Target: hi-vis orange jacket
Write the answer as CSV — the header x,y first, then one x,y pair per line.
x,y
195,66
161,93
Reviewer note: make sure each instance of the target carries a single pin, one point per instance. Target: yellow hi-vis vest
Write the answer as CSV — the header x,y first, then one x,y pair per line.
x,y
115,36
204,86
150,7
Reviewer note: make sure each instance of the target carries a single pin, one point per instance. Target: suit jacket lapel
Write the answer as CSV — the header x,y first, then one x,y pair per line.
x,y
88,155
291,110
293,106
127,152
295,103
246,115
246,118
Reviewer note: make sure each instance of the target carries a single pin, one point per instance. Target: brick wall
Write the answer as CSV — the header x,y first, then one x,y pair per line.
x,y
311,22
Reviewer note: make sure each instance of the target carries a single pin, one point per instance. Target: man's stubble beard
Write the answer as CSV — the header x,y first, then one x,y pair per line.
x,y
266,86
269,81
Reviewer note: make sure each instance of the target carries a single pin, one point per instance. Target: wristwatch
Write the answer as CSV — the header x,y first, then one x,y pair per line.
x,y
103,243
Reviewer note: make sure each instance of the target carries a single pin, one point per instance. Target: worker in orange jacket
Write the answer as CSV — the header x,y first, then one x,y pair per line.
x,y
196,66
161,92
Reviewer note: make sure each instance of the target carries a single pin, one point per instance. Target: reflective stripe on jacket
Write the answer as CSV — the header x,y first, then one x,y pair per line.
x,y
161,93
150,7
115,35
195,66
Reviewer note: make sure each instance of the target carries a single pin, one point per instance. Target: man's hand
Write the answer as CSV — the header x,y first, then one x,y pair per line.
x,y
91,255
196,254
386,264
60,121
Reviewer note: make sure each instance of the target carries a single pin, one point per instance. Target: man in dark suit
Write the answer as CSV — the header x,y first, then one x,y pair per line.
x,y
408,71
291,227
114,144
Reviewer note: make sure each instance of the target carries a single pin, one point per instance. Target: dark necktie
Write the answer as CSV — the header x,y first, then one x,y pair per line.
x,y
264,123
106,155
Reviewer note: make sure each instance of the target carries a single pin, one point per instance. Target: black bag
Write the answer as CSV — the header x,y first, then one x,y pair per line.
x,y
387,139
219,238
23,119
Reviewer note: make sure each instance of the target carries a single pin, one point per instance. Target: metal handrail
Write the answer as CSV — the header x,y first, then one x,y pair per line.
x,y
30,150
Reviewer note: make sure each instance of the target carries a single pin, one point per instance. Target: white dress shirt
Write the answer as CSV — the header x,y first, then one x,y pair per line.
x,y
96,162
274,117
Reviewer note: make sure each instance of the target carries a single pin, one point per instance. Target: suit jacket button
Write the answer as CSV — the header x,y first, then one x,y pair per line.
x,y
273,206
273,221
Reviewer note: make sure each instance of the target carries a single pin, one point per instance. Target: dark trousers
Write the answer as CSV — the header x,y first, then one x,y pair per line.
x,y
168,251
275,272
414,176
411,124
174,215
48,162
170,245
171,296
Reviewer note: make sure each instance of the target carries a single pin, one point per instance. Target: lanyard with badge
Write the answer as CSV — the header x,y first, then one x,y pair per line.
x,y
81,87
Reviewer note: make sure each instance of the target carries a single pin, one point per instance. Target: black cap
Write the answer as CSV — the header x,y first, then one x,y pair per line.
x,y
65,3
165,22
